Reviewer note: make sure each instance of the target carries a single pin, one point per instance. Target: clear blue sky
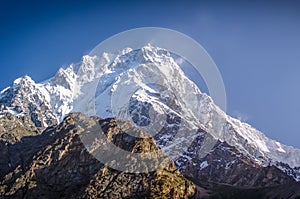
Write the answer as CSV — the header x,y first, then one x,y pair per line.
x,y
255,44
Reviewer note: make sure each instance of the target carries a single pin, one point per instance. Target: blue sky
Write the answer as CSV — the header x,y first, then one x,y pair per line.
x,y
256,46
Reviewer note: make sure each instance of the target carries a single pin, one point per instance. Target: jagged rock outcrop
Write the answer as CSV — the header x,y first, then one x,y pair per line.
x,y
25,99
225,164
56,164
13,128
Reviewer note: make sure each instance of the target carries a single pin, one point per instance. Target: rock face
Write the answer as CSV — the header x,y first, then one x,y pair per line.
x,y
25,98
55,164
227,165
13,128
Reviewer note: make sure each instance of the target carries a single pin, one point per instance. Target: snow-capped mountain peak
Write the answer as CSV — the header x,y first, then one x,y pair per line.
x,y
136,84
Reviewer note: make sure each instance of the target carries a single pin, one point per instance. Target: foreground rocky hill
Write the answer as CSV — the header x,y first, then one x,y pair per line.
x,y
55,164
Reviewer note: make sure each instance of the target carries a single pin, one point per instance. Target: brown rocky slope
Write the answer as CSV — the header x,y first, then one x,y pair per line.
x,y
56,164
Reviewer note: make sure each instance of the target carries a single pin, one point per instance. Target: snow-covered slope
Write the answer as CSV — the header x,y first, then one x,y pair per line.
x,y
27,97
147,86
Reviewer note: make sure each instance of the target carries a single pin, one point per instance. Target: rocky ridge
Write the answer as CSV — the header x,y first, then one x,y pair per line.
x,y
55,164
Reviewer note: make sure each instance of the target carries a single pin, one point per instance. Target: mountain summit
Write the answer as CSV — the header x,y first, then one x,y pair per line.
x,y
148,87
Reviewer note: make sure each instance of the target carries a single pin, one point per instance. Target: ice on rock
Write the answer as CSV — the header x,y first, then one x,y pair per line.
x,y
203,165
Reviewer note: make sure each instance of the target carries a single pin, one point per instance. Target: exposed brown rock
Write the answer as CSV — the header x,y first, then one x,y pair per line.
x,y
13,128
59,166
